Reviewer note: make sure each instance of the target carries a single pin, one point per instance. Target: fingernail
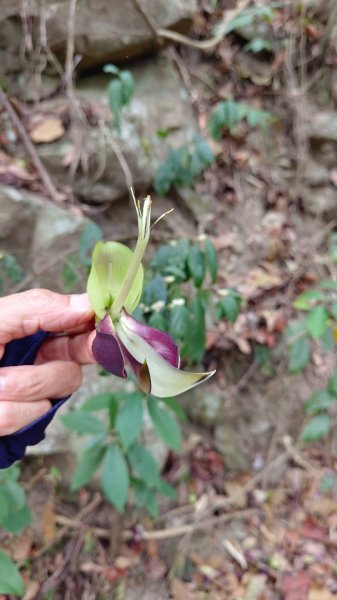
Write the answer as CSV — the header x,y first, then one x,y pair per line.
x,y
80,302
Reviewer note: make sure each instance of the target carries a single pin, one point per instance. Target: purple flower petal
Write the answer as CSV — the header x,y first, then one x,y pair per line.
x,y
161,342
106,349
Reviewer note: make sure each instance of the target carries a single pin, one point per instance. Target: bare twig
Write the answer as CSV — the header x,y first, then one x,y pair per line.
x,y
44,175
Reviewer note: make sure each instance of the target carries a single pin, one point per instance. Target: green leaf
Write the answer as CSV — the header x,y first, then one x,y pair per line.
x,y
332,384
306,300
196,265
128,86
158,321
111,69
144,496
115,95
317,322
257,45
15,494
299,354
85,470
165,425
113,409
130,419
228,308
333,310
166,489
328,342
179,321
173,404
211,260
12,268
70,274
90,234
115,477
195,339
10,474
143,464
317,428
4,506
17,520
318,401
155,290
11,581
97,402
82,422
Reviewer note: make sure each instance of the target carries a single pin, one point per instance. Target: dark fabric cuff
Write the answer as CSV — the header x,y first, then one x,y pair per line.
x,y
13,447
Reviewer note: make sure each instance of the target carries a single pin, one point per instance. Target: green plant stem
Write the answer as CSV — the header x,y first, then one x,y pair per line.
x,y
129,278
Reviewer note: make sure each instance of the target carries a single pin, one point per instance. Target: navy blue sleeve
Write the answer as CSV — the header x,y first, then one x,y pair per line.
x,y
13,447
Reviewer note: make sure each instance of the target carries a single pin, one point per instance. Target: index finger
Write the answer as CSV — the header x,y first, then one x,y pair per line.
x,y
25,313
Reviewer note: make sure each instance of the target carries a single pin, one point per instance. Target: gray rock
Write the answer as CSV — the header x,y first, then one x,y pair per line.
x,y
36,231
204,407
229,444
320,201
105,30
100,177
322,125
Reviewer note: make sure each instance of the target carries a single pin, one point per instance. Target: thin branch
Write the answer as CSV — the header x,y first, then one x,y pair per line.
x,y
44,175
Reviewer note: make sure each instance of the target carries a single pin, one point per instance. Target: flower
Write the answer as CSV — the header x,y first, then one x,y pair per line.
x,y
114,288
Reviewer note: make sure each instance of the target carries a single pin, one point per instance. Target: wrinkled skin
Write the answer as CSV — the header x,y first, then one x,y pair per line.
x,y
26,391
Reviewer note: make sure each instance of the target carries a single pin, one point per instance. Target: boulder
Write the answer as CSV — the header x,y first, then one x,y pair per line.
x,y
159,104
105,30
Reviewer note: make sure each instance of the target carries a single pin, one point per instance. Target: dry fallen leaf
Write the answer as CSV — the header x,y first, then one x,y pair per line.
x,y
180,591
48,522
320,594
47,129
295,586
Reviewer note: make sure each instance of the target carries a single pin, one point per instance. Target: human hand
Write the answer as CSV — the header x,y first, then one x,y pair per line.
x,y
26,391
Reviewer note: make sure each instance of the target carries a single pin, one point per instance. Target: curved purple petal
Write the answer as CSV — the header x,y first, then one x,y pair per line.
x,y
106,349
160,341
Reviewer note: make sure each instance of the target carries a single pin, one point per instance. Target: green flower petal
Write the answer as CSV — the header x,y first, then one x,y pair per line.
x,y
110,263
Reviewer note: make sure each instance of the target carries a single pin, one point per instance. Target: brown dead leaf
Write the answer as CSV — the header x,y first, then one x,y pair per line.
x,y
295,586
23,544
48,129
31,589
259,278
320,594
48,522
256,585
181,591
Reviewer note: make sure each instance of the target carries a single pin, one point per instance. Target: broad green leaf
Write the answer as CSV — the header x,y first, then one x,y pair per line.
x,y
162,257
15,494
196,265
317,428
82,422
97,402
130,419
155,290
115,477
90,234
17,520
306,300
174,405
113,409
87,467
195,339
211,260
166,489
257,45
299,354
165,425
318,401
158,321
228,308
110,263
70,274
146,497
4,506
11,581
10,474
333,310
328,342
143,464
332,384
94,441
179,321
317,322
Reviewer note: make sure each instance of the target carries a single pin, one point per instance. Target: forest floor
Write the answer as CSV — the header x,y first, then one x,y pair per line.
x,y
265,534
